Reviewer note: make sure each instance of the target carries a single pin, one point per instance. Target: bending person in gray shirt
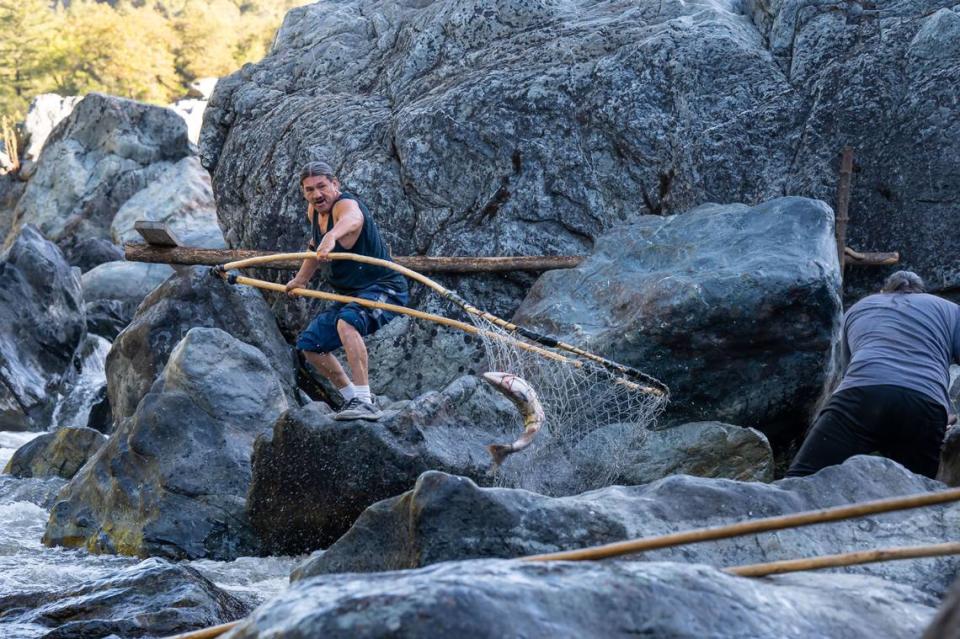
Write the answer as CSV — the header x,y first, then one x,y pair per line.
x,y
896,351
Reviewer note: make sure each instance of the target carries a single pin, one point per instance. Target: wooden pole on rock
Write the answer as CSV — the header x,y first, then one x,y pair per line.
x,y
845,559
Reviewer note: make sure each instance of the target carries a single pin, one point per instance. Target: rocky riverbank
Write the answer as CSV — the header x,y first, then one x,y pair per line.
x,y
166,469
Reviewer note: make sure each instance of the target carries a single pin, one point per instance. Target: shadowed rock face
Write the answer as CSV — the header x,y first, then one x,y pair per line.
x,y
503,127
172,479
41,327
590,599
153,598
313,476
446,518
732,307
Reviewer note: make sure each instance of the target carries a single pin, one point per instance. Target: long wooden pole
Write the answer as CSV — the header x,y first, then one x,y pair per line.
x,y
186,255
445,321
767,524
646,382
845,559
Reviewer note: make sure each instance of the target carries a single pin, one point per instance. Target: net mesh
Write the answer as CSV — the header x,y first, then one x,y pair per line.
x,y
595,424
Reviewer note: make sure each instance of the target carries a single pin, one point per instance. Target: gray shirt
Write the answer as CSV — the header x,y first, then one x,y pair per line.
x,y
902,339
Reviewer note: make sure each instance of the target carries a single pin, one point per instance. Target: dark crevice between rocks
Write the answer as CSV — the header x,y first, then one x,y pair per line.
x,y
502,195
661,205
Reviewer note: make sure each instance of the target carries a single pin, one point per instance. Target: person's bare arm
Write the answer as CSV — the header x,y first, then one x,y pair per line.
x,y
347,224
309,266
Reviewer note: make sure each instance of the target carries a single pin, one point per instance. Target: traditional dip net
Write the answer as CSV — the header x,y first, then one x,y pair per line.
x,y
596,419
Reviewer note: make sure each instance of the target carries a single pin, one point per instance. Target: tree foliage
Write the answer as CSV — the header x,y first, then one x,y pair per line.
x,y
145,51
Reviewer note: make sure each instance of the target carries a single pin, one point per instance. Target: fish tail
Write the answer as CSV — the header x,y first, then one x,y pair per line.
x,y
499,452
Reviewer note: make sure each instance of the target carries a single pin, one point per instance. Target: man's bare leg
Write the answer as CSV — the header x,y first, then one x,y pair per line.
x,y
328,366
356,352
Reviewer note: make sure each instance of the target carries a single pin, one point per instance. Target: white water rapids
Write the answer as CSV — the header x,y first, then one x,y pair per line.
x,y
27,565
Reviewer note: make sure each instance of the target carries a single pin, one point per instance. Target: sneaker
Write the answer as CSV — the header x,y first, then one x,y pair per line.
x,y
356,408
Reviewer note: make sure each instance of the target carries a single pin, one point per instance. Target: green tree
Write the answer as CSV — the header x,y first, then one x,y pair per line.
x,y
125,51
26,29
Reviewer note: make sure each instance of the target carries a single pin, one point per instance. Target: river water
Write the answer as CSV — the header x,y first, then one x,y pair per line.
x,y
27,565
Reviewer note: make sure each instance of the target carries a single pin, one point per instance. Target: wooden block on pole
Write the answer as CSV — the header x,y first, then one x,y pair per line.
x,y
156,233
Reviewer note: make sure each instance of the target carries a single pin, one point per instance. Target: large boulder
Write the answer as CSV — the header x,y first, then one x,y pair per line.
x,y
112,292
410,357
733,307
99,156
41,328
190,299
180,197
701,449
151,599
314,476
450,518
876,79
590,599
505,127
45,112
172,479
57,454
426,110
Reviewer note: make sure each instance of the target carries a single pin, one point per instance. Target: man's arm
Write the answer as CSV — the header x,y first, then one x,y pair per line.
x,y
347,224
309,266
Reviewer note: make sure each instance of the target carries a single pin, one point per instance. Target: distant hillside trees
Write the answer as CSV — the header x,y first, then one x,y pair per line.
x,y
144,51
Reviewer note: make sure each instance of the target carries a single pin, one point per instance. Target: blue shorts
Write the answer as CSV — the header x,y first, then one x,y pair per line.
x,y
322,337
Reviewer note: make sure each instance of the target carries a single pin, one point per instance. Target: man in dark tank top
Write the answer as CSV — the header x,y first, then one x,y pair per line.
x,y
341,223
895,352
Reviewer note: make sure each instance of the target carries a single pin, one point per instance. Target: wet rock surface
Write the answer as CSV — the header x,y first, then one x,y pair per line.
x,y
172,479
152,599
732,307
447,518
57,454
41,327
314,475
39,491
190,299
590,599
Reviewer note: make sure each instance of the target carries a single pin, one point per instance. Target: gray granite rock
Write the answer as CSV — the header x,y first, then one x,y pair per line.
x,y
151,599
172,480
485,127
99,156
57,454
41,328
187,300
181,198
733,307
702,449
590,599
314,475
113,291
447,518
45,112
410,357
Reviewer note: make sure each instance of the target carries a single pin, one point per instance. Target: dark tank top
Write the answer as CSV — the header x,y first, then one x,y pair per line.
x,y
347,277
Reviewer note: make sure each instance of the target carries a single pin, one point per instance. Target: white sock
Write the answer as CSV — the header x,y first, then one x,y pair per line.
x,y
363,393
349,392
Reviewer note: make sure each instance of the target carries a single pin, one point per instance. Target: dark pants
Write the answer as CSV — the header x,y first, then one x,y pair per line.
x,y
902,424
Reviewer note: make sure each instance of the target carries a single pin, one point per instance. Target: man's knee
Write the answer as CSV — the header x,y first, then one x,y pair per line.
x,y
346,330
